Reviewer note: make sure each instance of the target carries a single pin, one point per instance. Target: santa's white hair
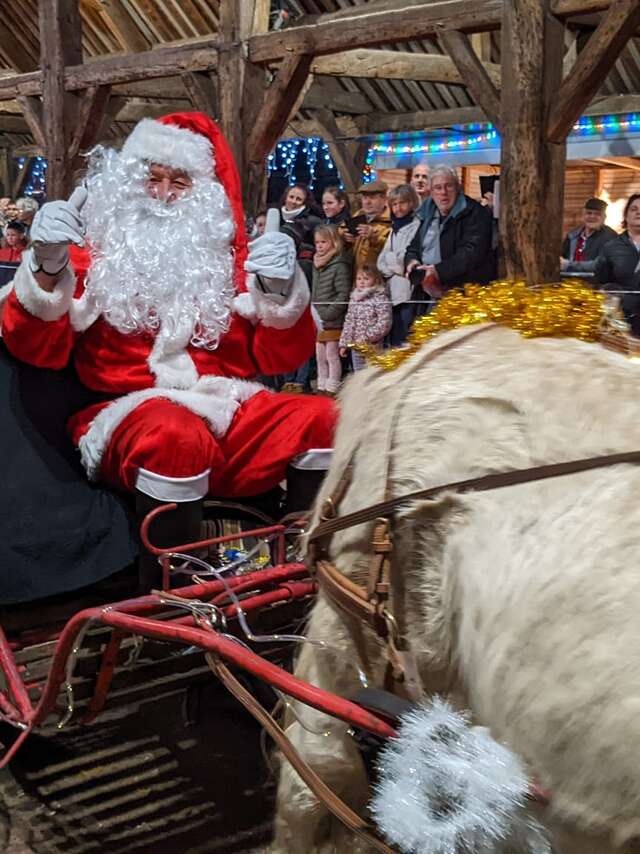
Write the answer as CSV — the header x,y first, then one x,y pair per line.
x,y
158,266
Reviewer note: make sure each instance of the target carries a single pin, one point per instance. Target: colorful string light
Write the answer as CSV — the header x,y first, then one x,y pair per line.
x,y
484,136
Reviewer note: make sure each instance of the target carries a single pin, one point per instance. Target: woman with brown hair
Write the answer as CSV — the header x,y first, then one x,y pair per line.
x,y
330,296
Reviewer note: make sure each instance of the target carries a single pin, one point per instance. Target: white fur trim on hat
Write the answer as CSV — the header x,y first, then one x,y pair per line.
x,y
173,146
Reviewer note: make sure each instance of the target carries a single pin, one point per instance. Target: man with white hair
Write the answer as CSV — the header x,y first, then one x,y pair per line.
x,y
163,322
27,209
453,244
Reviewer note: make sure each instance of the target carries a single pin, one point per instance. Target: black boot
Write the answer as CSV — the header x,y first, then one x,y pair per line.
x,y
172,528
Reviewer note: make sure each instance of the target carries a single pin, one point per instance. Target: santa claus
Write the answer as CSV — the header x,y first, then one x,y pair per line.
x,y
166,317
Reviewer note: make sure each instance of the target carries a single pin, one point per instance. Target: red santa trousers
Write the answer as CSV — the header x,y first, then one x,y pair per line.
x,y
267,431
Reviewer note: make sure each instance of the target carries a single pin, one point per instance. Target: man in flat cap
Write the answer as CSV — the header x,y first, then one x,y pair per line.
x,y
582,246
372,224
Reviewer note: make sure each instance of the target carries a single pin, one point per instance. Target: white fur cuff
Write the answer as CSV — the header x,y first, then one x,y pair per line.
x,y
274,315
40,303
178,489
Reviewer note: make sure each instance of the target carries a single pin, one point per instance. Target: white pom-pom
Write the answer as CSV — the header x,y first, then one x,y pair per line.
x,y
446,788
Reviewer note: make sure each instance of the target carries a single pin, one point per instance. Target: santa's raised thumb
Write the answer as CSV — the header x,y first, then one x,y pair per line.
x,y
272,223
78,198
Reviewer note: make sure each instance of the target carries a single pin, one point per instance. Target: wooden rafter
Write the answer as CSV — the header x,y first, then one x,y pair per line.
x,y
472,71
89,119
32,111
366,26
593,64
280,100
10,47
341,150
201,91
395,65
200,55
124,26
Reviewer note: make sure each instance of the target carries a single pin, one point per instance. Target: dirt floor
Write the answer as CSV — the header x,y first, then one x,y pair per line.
x,y
183,775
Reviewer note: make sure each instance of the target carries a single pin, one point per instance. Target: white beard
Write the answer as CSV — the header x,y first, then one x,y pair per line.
x,y
158,267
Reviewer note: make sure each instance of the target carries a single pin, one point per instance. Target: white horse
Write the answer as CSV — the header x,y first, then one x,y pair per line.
x,y
522,604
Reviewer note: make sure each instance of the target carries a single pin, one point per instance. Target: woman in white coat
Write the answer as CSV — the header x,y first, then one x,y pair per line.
x,y
403,201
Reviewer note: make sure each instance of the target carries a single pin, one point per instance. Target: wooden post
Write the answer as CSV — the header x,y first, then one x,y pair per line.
x,y
241,86
5,170
532,168
60,45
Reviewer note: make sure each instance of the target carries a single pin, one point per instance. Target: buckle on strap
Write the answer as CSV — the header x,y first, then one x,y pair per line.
x,y
379,581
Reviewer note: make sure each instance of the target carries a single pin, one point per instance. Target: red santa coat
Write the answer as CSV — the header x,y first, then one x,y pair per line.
x,y
46,330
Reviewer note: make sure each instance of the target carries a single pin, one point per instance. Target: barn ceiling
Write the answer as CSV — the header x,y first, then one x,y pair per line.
x,y
128,26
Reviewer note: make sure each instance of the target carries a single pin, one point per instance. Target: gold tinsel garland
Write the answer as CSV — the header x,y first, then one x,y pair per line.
x,y
565,310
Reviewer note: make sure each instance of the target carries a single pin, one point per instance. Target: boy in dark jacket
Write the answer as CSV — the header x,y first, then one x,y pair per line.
x,y
453,244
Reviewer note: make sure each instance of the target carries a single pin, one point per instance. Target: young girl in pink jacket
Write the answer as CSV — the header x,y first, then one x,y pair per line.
x,y
369,314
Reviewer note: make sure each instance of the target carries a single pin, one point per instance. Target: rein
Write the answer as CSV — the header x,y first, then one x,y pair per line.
x,y
370,603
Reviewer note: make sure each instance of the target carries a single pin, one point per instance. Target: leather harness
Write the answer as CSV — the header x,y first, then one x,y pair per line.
x,y
370,604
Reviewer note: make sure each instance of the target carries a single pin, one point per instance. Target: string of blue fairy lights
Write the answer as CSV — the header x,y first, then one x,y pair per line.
x,y
285,156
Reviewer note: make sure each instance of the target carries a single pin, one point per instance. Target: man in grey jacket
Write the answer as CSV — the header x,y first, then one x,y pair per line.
x,y
582,246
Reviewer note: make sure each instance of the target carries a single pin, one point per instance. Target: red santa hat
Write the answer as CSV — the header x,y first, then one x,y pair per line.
x,y
194,142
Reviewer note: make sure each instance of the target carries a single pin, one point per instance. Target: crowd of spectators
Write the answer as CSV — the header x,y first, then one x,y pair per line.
x,y
373,270
15,222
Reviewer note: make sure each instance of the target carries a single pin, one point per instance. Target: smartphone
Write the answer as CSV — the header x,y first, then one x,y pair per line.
x,y
354,222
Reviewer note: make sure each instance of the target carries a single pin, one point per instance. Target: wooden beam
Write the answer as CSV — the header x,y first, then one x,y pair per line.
x,y
592,66
481,43
341,152
14,125
160,62
395,65
530,214
241,86
32,111
60,44
201,91
134,110
89,119
279,102
477,81
366,26
632,163
11,48
5,171
261,15
421,120
125,27
319,96
566,8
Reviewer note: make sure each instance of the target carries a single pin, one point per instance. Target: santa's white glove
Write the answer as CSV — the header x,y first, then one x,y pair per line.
x,y
55,226
272,258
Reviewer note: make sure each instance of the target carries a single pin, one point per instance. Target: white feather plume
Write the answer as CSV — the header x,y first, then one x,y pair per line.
x,y
447,788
